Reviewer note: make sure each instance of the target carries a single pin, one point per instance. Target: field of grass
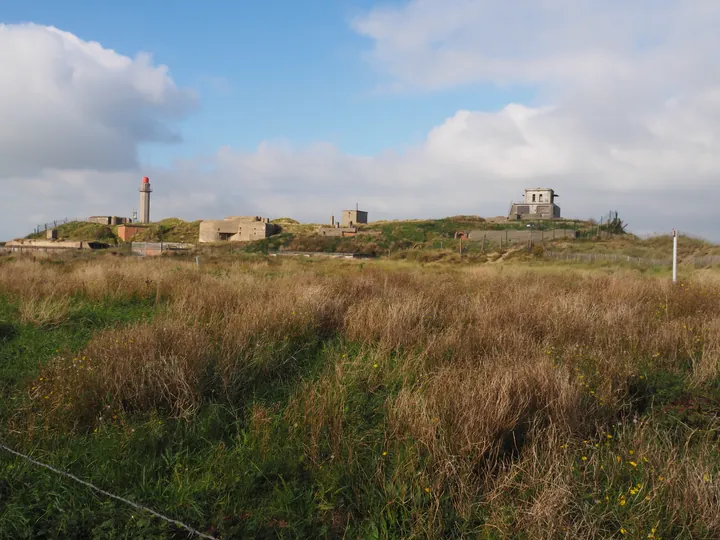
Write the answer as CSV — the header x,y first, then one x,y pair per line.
x,y
262,398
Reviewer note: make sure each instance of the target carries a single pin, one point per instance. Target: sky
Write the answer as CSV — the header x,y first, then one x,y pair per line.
x,y
409,108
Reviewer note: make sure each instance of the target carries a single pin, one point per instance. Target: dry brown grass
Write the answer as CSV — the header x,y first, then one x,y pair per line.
x,y
492,377
44,311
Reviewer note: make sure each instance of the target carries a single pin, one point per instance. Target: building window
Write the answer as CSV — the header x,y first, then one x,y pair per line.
x,y
541,198
533,197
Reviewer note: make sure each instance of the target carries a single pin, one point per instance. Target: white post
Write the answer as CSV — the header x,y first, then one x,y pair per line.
x,y
197,262
675,240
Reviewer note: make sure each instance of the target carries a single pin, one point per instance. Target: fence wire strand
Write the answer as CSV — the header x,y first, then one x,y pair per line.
x,y
140,507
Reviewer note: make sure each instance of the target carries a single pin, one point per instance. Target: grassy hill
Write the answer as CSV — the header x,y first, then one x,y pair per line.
x,y
83,231
425,240
170,230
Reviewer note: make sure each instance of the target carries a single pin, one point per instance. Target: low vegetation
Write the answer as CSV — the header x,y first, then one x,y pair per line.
x,y
376,238
83,231
382,399
170,230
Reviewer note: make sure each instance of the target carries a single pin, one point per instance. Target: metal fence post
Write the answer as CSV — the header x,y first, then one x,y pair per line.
x,y
675,246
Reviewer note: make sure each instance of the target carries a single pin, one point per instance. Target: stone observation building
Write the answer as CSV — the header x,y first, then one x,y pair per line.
x,y
237,229
350,218
539,203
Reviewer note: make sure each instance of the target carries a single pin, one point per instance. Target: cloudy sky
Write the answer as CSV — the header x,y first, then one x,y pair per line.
x,y
411,108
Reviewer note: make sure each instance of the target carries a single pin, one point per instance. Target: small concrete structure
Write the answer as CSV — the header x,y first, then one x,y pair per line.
x,y
126,232
26,245
237,229
155,249
338,231
539,203
108,220
51,234
350,218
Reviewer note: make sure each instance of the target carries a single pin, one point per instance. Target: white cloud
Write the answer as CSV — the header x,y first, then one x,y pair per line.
x,y
67,104
577,43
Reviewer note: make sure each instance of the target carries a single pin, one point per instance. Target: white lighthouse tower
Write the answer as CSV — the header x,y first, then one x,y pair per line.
x,y
145,200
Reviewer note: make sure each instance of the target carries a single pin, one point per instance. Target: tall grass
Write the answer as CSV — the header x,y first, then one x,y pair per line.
x,y
456,401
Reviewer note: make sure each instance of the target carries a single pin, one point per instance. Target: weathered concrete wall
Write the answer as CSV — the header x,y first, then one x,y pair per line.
x,y
100,220
18,246
338,231
520,236
153,249
534,211
45,244
108,220
236,229
322,255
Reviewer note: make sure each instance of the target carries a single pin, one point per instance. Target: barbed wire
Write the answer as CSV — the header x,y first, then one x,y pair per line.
x,y
140,507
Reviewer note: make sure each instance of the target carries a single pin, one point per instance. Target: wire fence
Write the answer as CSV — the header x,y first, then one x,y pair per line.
x,y
51,225
609,257
706,261
697,262
135,505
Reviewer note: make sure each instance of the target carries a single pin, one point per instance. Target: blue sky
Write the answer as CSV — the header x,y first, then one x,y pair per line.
x,y
265,70
612,103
